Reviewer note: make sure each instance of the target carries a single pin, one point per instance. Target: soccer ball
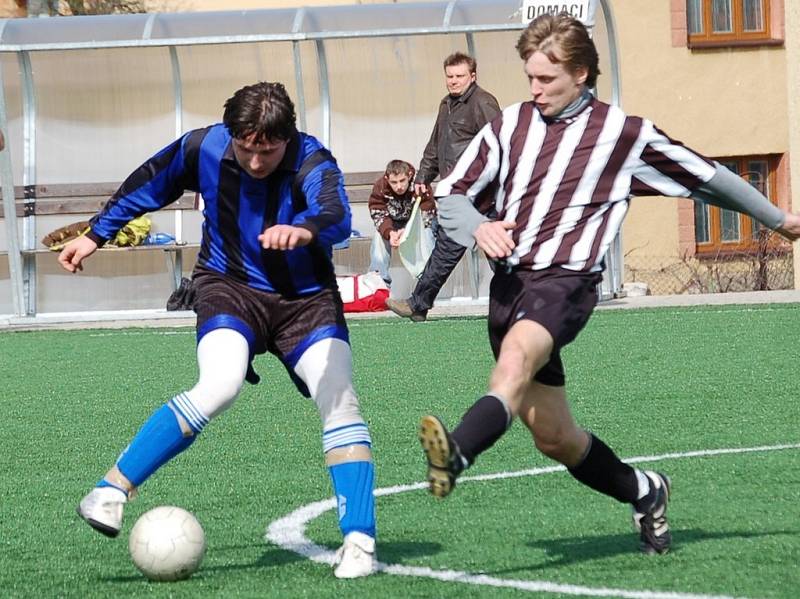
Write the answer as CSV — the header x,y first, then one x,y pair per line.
x,y
167,543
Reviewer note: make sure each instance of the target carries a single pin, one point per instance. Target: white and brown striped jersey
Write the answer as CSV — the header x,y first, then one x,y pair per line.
x,y
567,183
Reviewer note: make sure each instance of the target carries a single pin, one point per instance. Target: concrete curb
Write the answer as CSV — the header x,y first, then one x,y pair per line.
x,y
446,309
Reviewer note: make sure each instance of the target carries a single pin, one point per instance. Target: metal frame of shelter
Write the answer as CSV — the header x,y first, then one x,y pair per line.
x,y
25,36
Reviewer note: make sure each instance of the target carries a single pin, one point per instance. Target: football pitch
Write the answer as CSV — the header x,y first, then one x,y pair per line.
x,y
706,395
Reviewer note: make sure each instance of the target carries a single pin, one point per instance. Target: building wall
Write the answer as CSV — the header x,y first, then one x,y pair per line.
x,y
793,93
721,102
251,4
10,9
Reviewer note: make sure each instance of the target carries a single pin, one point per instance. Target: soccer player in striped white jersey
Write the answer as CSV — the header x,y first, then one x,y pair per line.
x,y
542,190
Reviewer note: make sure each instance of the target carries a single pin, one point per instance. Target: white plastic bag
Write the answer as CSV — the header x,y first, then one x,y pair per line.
x,y
416,243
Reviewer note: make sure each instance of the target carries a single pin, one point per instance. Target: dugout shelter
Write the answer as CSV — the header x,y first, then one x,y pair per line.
x,y
86,99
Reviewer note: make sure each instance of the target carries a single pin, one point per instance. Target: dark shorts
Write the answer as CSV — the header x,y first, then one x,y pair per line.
x,y
559,300
284,327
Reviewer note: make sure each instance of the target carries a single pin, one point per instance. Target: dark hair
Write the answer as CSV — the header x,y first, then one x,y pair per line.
x,y
563,39
262,109
461,58
399,167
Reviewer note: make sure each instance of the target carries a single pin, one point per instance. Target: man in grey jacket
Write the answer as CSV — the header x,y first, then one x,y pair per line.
x,y
462,113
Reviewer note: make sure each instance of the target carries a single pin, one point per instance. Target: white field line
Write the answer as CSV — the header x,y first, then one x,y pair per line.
x,y
289,534
135,333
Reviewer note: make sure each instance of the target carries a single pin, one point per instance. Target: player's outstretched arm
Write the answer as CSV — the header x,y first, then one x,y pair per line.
x,y
71,257
285,237
790,228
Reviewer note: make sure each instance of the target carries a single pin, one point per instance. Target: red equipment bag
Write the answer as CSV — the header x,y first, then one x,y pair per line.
x,y
363,293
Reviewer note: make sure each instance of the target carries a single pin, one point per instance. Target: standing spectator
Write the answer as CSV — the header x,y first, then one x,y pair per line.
x,y
390,205
462,113
264,281
560,171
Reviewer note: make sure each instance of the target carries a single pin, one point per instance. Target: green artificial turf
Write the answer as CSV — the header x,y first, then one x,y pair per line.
x,y
648,382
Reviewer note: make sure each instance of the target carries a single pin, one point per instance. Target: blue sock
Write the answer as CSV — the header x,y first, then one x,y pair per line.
x,y
353,483
159,440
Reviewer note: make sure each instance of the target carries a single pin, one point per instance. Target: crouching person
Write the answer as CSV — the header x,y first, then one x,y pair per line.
x,y
390,206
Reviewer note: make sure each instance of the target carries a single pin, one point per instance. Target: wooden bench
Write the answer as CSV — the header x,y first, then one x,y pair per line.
x,y
65,199
88,198
77,201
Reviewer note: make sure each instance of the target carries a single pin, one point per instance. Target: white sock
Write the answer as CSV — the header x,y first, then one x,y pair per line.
x,y
644,484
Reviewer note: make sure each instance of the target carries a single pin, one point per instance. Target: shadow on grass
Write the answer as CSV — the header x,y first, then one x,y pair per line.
x,y
273,557
575,550
395,552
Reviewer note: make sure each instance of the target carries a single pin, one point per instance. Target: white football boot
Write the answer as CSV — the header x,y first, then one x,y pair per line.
x,y
356,556
102,509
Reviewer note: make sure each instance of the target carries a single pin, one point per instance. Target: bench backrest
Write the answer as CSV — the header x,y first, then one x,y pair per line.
x,y
88,198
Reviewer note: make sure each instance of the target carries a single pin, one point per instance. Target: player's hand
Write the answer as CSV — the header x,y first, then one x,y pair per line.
x,y
285,237
394,237
790,228
493,238
71,257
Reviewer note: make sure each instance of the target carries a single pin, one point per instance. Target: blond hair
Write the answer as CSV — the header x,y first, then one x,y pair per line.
x,y
564,40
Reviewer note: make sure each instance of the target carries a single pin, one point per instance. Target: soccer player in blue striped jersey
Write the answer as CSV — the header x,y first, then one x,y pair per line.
x,y
274,205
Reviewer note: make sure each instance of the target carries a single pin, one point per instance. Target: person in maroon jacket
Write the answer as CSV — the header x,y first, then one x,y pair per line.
x,y
390,205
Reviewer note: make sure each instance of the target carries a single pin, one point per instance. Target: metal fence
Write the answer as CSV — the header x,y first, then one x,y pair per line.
x,y
768,267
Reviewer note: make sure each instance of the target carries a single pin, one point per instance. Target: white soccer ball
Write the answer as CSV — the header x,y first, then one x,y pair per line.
x,y
167,543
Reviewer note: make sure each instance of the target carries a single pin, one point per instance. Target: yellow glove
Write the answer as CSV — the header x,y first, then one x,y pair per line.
x,y
133,233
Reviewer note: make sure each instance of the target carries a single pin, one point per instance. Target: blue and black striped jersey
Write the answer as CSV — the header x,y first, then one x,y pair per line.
x,y
238,208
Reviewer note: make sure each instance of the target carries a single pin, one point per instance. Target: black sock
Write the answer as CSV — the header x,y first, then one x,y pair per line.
x,y
603,471
482,425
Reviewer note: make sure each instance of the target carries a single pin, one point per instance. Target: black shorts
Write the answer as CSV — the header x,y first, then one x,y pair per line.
x,y
282,326
559,300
